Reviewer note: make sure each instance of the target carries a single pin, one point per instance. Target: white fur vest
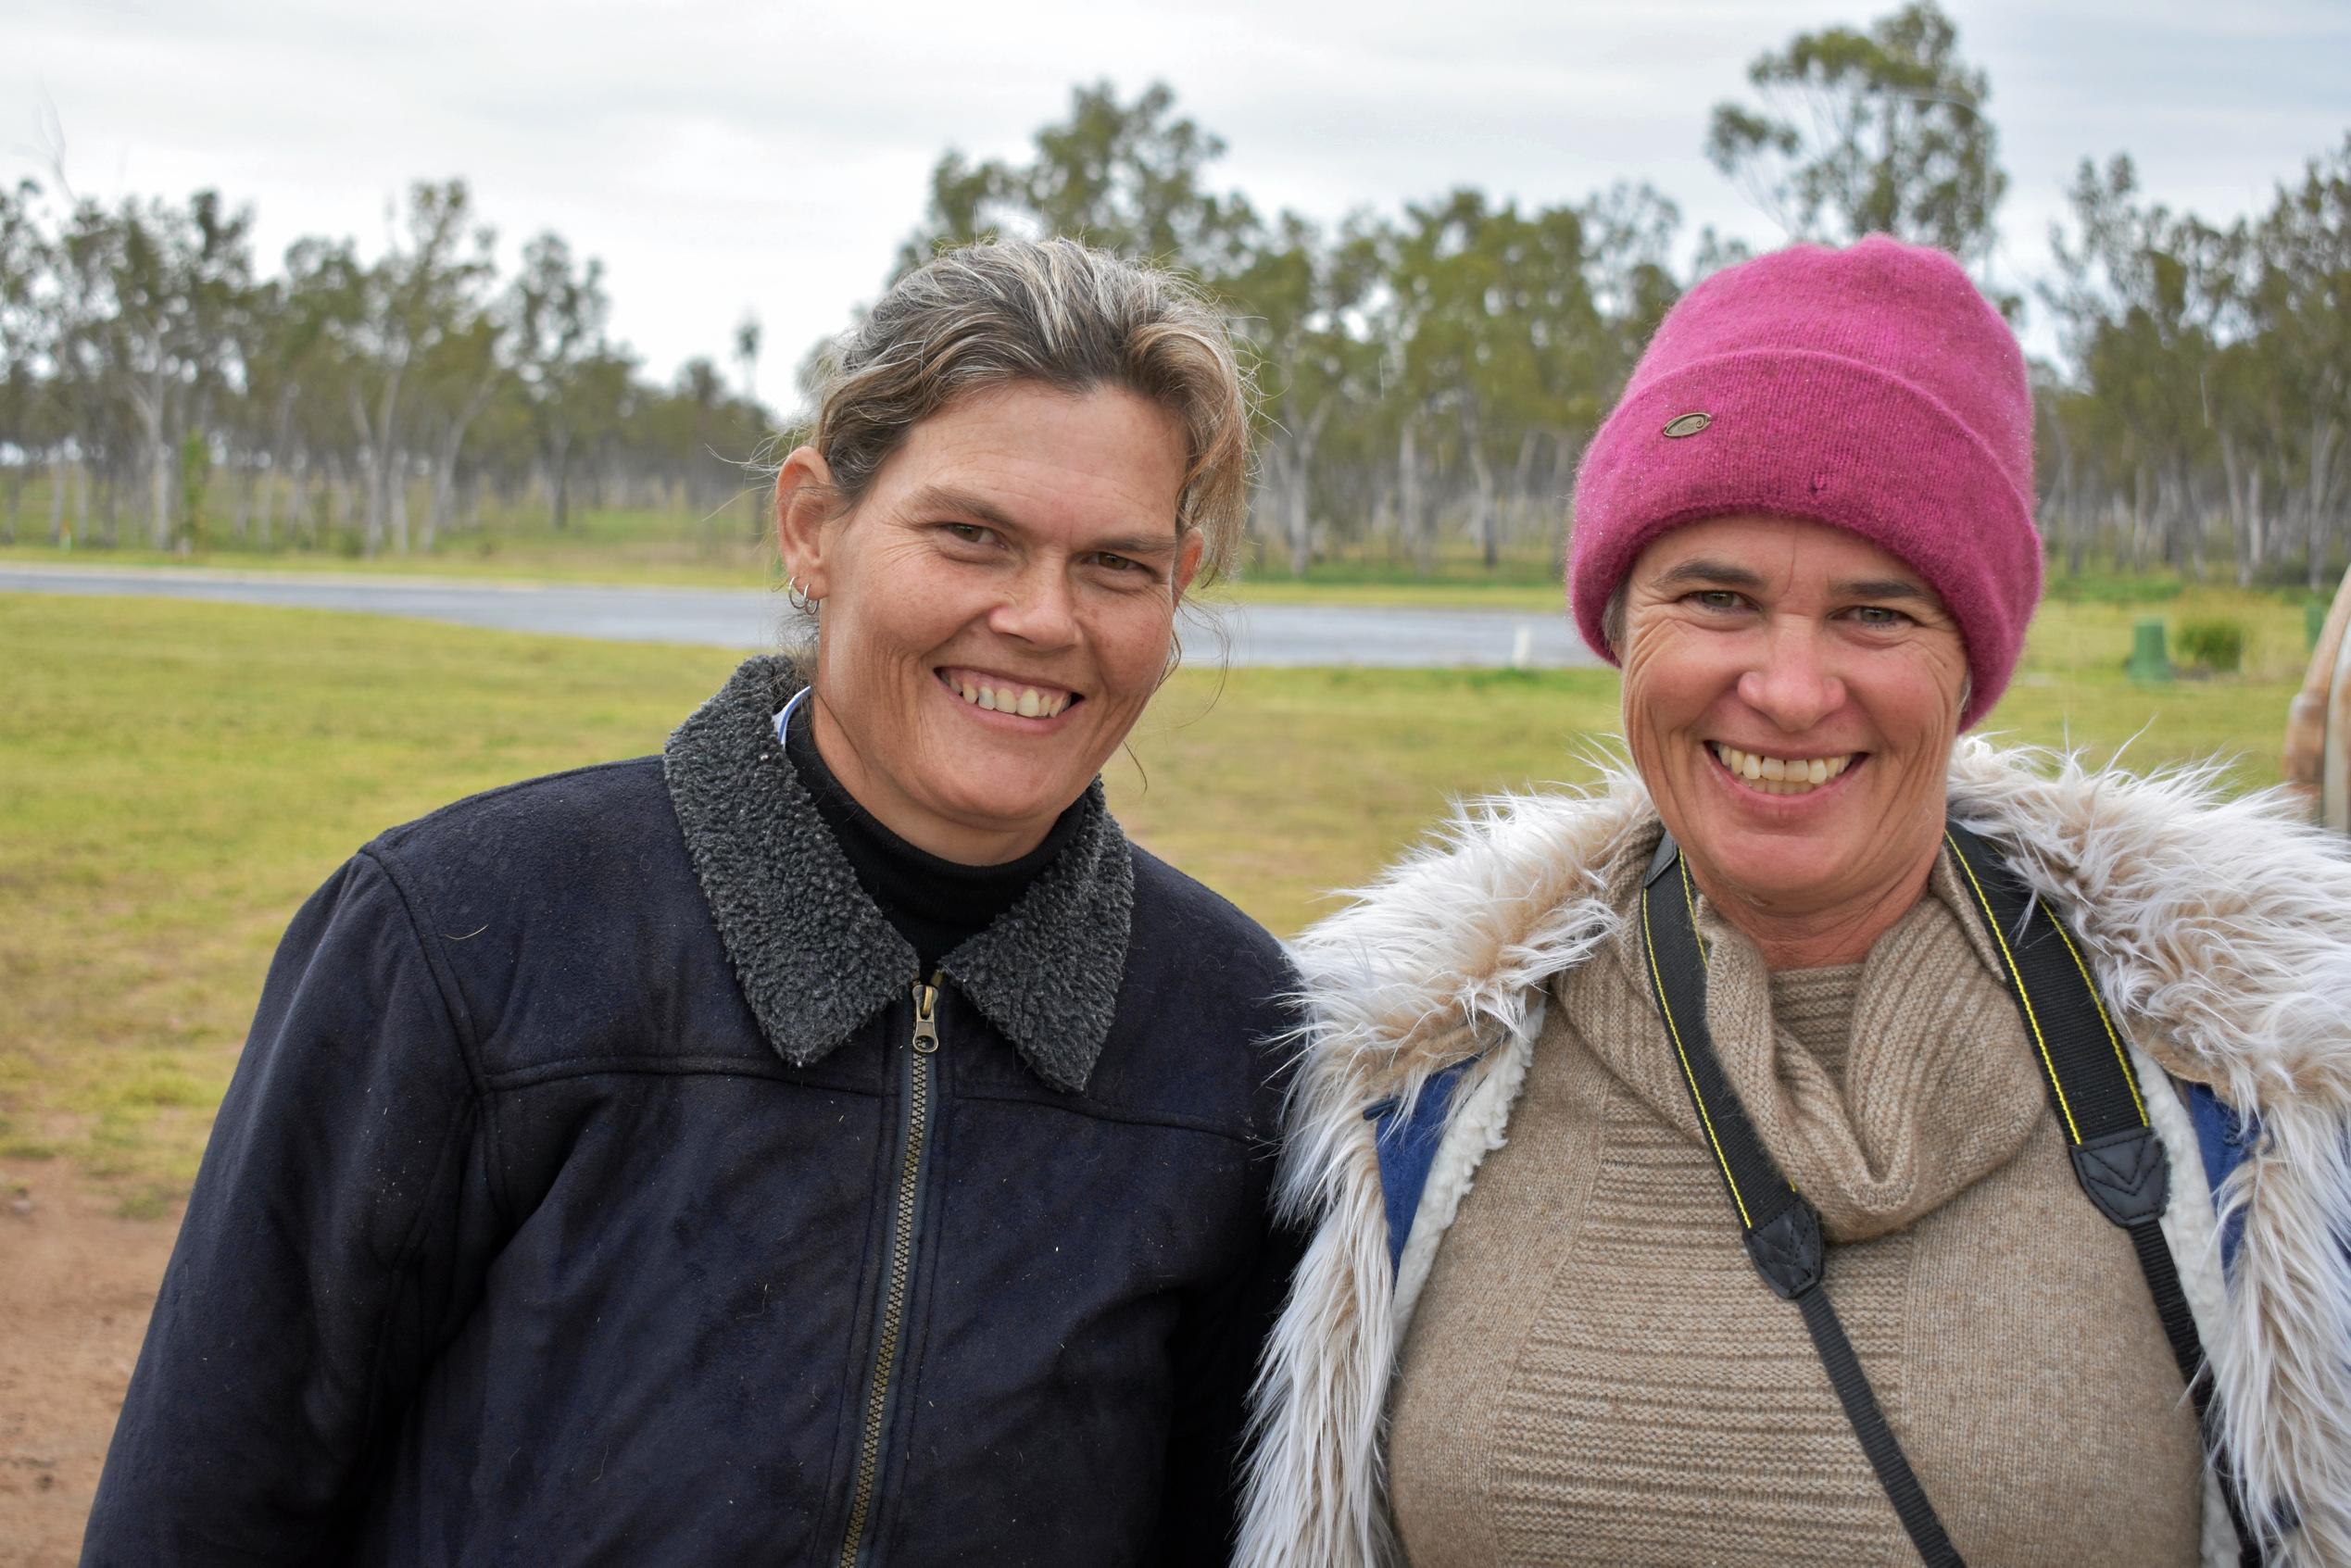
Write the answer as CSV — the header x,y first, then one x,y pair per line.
x,y
2220,931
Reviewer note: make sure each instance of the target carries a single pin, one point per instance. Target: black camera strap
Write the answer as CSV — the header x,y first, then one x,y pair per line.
x,y
2116,1154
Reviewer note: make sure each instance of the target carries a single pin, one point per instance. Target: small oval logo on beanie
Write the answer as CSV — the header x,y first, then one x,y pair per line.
x,y
1687,424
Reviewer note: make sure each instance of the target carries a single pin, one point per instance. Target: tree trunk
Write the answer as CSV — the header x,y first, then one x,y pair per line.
x,y
2188,518
371,462
149,403
58,473
1299,526
2138,518
2321,494
2242,531
1302,481
1489,544
2078,524
558,479
444,459
2256,533
1412,517
300,519
398,469
279,441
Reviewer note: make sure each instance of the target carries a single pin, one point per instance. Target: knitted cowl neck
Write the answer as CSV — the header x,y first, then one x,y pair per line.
x,y
1938,1087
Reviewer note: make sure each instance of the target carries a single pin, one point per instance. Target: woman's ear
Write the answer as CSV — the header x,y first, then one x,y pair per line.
x,y
804,504
1188,558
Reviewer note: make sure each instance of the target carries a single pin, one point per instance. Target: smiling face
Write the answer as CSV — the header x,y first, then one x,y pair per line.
x,y
998,608
1792,694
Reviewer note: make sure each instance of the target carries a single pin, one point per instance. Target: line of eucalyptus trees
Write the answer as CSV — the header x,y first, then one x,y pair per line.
x,y
174,395
2206,398
1436,373
1426,376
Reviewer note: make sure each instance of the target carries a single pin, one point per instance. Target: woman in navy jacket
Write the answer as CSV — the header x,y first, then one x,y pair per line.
x,y
829,1142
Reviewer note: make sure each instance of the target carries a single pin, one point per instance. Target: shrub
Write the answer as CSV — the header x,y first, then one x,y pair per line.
x,y
2215,645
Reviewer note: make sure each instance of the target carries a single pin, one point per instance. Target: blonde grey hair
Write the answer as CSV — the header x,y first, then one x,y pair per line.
x,y
1060,314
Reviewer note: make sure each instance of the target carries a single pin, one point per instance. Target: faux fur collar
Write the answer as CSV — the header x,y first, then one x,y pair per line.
x,y
2221,933
816,959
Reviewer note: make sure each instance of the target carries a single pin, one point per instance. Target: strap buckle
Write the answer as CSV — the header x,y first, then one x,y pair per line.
x,y
2126,1175
1787,1250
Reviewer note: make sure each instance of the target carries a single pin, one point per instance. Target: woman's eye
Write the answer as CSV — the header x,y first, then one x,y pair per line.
x,y
1716,598
1878,615
1135,572
969,533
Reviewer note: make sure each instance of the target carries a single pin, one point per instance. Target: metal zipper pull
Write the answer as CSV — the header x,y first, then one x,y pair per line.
x,y
926,1015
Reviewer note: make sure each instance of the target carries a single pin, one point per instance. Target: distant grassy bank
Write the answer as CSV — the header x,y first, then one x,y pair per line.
x,y
653,549
174,778
648,551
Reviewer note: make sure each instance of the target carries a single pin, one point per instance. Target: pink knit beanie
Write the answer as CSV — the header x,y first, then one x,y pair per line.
x,y
1873,389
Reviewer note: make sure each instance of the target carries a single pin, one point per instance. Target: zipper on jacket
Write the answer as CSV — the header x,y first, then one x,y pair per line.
x,y
921,1078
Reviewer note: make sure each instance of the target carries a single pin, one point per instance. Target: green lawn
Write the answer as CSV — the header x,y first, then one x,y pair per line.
x,y
175,778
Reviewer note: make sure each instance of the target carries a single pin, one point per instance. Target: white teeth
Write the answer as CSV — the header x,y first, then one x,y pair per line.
x,y
1779,776
1026,702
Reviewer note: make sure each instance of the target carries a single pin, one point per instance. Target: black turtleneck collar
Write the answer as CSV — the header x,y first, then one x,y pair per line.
x,y
814,955
936,904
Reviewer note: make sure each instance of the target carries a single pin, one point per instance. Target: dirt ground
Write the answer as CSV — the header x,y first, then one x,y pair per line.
x,y
76,1285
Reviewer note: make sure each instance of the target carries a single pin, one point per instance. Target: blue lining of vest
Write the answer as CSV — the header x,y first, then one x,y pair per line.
x,y
2225,1140
1407,1148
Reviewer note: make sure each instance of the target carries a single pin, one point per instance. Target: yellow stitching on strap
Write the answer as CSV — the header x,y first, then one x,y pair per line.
x,y
2129,1077
1690,897
1649,948
2032,1018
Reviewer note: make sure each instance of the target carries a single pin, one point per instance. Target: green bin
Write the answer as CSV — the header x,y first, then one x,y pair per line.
x,y
2149,661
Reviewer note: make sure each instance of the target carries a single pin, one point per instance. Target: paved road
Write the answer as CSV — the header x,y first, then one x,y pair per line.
x,y
1268,634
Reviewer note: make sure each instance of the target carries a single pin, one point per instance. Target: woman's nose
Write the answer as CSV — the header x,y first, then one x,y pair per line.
x,y
1792,685
1039,609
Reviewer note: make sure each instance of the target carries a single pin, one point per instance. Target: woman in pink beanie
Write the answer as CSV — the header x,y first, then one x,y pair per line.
x,y
1833,1141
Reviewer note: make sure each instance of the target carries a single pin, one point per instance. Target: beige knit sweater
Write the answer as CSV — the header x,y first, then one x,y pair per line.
x,y
1596,1375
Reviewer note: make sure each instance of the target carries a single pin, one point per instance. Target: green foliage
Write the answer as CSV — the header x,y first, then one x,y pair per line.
x,y
1446,367
1126,177
2112,589
2214,644
1880,132
195,467
1428,375
2211,377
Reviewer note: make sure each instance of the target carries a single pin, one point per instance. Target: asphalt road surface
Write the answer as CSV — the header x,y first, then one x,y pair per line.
x,y
1260,635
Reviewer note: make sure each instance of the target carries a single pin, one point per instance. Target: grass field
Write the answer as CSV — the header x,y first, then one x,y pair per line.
x,y
175,778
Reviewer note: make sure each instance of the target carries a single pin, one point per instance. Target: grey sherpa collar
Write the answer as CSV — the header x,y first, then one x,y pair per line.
x,y
816,959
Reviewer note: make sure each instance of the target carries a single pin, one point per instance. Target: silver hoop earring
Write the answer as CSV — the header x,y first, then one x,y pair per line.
x,y
798,596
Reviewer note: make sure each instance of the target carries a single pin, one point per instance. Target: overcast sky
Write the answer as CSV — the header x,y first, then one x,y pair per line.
x,y
772,157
